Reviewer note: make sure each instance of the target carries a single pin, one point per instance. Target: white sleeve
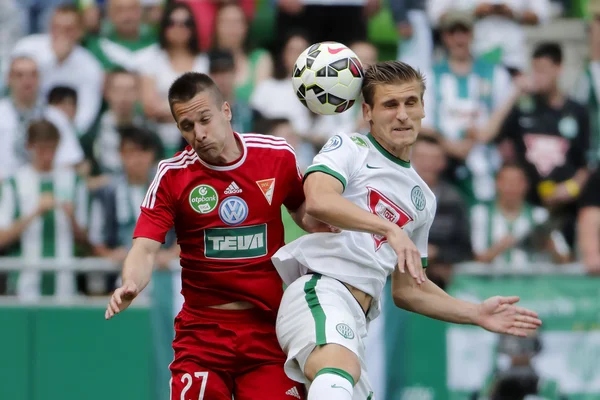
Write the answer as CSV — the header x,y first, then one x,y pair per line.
x,y
420,238
89,94
7,204
337,158
82,203
69,151
479,228
541,8
502,87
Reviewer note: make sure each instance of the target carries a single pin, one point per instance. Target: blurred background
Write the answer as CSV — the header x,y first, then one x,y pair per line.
x,y
510,145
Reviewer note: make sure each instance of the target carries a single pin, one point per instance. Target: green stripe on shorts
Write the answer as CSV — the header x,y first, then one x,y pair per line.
x,y
315,308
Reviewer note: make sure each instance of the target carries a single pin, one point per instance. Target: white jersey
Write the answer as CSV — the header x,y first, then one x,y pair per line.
x,y
380,183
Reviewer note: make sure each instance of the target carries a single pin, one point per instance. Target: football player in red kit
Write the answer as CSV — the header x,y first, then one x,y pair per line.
x,y
223,194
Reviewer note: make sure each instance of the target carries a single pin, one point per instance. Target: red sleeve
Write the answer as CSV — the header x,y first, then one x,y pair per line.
x,y
157,211
295,192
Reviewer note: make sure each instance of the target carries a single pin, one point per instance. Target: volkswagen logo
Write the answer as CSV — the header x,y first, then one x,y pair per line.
x,y
233,210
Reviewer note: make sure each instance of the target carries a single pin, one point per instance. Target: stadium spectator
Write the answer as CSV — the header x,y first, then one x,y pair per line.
x,y
413,25
177,52
10,32
122,96
498,32
123,36
251,66
462,92
205,14
343,21
588,225
587,89
282,128
222,71
510,231
550,135
43,215
18,109
280,87
61,61
61,110
36,14
449,237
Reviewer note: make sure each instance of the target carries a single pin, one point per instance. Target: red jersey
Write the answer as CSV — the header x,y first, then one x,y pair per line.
x,y
227,219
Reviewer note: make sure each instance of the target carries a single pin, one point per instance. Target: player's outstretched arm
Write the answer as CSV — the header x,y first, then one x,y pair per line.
x,y
137,271
324,201
496,314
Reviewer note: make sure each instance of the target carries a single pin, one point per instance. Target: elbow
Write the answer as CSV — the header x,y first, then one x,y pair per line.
x,y
403,298
315,207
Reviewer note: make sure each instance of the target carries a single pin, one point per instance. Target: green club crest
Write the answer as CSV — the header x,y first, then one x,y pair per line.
x,y
418,198
345,331
204,199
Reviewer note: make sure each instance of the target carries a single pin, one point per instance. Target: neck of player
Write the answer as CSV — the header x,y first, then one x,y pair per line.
x,y
401,152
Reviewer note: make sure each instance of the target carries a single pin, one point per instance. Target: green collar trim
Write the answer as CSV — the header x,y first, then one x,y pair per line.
x,y
387,154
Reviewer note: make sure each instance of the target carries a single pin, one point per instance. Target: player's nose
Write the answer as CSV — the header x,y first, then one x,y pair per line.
x,y
199,132
401,113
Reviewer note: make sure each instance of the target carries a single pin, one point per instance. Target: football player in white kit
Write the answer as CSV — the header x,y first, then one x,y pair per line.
x,y
366,186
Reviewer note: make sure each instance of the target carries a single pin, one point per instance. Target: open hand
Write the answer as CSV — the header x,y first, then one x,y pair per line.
x,y
499,314
121,299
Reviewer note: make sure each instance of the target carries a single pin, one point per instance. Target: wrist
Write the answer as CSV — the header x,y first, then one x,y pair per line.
x,y
572,187
474,314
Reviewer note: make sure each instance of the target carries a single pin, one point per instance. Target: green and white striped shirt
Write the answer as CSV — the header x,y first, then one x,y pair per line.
x,y
48,236
489,226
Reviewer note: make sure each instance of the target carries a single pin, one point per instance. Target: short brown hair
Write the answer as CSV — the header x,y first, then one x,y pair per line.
x,y
188,85
386,73
42,131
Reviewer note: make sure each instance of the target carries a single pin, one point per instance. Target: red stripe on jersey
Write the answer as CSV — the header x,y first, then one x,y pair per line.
x,y
272,146
275,139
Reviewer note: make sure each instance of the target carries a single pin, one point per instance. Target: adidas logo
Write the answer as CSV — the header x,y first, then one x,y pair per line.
x,y
233,188
294,392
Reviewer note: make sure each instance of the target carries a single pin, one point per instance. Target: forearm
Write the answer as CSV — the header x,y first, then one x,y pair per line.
x,y
429,300
457,149
13,233
490,254
335,210
491,130
138,266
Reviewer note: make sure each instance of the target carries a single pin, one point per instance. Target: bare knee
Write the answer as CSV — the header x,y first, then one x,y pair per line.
x,y
332,356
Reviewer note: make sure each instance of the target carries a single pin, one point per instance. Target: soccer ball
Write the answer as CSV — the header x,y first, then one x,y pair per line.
x,y
327,78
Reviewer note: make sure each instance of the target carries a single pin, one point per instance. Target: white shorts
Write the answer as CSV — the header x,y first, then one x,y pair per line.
x,y
317,310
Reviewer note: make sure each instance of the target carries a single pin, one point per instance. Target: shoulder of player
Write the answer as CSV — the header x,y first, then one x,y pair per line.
x,y
175,165
267,144
350,142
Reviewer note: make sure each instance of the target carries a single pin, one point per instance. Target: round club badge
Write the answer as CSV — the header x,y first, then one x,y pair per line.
x,y
333,143
203,199
418,198
233,210
345,331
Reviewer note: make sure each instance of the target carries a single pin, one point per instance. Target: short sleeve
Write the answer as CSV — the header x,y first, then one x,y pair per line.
x,y
420,238
337,158
157,214
502,86
295,192
7,204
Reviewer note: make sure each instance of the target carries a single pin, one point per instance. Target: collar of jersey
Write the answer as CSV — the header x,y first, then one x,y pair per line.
x,y
231,166
387,154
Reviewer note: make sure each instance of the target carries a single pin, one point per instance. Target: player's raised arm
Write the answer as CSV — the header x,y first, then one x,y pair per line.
x,y
137,271
496,314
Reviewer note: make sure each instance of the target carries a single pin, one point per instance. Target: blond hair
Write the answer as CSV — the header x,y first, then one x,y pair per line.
x,y
389,73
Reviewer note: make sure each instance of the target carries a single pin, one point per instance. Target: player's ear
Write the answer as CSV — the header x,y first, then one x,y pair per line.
x,y
367,112
226,108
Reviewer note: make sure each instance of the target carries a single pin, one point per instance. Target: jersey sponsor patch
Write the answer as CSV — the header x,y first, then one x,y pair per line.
x,y
236,243
418,198
359,141
233,188
203,199
545,152
233,210
380,205
267,187
345,331
333,143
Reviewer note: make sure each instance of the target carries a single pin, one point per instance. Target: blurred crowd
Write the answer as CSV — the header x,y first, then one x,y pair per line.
x,y
510,155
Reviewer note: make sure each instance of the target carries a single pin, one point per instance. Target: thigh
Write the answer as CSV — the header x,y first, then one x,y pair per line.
x,y
191,381
267,382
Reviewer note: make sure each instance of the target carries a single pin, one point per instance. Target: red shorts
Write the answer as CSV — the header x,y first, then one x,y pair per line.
x,y
220,353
